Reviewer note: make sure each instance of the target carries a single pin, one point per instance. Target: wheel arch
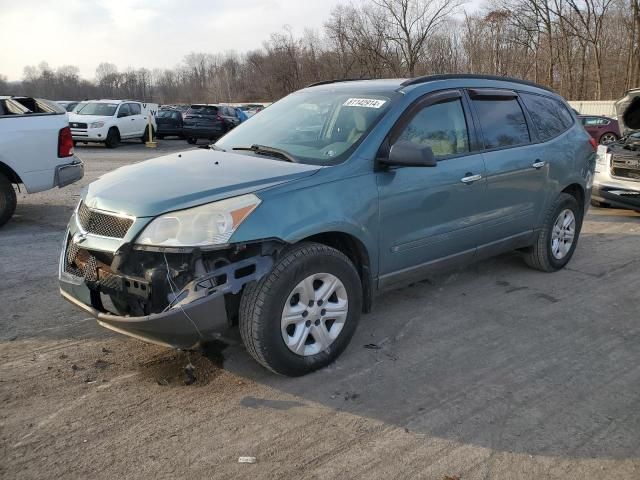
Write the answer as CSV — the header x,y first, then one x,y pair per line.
x,y
10,173
576,191
357,252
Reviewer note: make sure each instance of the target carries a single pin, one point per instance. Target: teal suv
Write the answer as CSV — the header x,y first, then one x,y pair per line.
x,y
291,224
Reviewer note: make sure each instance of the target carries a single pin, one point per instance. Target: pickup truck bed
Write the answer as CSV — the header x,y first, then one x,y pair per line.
x,y
36,149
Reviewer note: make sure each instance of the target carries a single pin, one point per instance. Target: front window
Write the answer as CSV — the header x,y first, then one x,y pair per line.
x,y
317,127
442,127
100,109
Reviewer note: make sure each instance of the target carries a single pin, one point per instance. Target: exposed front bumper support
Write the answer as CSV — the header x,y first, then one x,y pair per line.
x,y
617,197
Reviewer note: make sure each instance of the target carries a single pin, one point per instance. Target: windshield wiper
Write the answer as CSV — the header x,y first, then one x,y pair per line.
x,y
265,150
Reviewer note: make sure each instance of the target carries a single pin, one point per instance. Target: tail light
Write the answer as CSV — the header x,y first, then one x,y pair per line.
x,y
593,143
65,143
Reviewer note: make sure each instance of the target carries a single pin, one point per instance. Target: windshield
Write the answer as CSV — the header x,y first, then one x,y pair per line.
x,y
101,109
317,127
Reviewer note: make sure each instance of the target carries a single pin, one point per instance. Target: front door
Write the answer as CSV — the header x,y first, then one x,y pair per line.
x,y
429,215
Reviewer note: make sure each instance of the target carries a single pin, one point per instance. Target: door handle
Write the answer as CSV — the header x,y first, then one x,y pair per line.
x,y
538,164
470,178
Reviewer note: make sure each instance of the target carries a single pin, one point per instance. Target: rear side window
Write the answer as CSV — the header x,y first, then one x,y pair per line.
x,y
134,108
550,116
502,121
594,122
441,126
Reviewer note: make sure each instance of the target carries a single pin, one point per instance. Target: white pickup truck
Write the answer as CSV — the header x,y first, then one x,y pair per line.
x,y
109,121
36,149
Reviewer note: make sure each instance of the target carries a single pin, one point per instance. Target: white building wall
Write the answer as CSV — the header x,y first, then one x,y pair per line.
x,y
592,107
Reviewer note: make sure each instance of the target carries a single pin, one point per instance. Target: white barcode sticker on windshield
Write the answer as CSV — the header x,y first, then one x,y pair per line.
x,y
364,102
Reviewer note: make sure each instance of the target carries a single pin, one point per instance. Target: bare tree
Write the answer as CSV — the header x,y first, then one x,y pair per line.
x,y
410,23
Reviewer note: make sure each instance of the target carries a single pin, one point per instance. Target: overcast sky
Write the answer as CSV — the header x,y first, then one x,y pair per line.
x,y
142,33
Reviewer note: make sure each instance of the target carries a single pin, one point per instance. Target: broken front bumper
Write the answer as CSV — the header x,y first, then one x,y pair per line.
x,y
193,313
617,197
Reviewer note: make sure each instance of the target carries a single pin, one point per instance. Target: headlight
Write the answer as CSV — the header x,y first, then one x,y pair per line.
x,y
210,224
97,125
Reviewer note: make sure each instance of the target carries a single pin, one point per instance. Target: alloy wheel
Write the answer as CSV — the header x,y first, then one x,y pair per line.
x,y
314,314
563,233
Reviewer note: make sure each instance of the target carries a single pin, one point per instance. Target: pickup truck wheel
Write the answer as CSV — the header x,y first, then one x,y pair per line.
x,y
302,315
113,138
559,236
7,200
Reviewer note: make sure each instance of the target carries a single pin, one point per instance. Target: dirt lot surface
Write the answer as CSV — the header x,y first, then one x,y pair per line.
x,y
493,372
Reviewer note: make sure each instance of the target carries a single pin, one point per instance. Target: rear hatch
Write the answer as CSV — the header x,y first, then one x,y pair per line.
x,y
201,116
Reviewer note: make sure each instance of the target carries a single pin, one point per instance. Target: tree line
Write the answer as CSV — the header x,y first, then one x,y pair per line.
x,y
584,49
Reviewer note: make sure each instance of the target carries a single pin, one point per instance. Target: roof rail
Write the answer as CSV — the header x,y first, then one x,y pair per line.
x,y
335,80
453,76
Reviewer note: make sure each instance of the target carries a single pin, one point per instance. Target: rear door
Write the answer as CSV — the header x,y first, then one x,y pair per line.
x,y
139,119
429,216
516,170
126,123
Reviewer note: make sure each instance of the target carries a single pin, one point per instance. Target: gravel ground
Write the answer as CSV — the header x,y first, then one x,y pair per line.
x,y
495,371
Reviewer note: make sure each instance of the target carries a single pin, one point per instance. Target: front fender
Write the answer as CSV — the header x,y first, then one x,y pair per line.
x,y
345,205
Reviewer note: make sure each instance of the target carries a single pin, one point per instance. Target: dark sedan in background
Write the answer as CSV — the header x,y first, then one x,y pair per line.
x,y
170,123
604,130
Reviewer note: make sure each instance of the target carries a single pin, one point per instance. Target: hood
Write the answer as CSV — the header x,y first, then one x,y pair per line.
x,y
74,117
188,179
628,110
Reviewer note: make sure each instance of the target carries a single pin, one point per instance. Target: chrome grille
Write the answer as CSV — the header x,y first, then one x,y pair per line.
x,y
103,224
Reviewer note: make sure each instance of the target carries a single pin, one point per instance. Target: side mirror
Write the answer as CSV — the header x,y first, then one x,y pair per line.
x,y
122,114
408,154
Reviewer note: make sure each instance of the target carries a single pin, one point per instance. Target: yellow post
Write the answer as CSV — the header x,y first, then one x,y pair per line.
x,y
150,143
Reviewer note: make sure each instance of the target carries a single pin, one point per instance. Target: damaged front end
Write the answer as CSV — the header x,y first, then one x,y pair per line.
x,y
173,297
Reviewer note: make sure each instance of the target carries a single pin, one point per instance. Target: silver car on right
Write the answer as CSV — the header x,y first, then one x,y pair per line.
x,y
617,175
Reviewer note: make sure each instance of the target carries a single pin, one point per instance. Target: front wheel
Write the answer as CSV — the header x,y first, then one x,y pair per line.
x,y
302,315
559,235
113,138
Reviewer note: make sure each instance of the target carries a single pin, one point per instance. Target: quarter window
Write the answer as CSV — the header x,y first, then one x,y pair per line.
x,y
441,126
550,117
502,121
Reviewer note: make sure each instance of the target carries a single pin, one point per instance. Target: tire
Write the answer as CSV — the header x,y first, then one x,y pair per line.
x,y
145,136
264,303
192,140
113,138
8,200
541,255
607,138
599,204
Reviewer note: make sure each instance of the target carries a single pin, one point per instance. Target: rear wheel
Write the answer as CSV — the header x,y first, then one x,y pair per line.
x,y
559,236
607,138
8,199
302,315
113,138
145,136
